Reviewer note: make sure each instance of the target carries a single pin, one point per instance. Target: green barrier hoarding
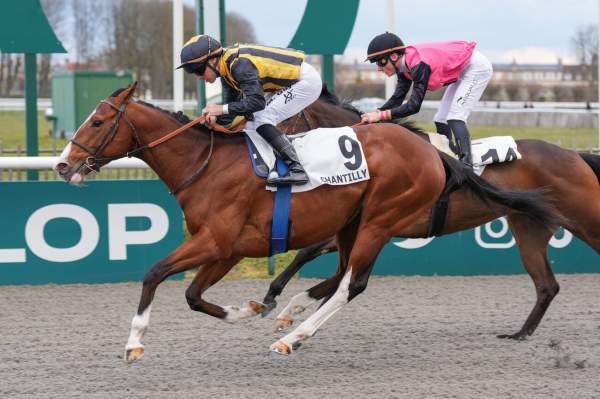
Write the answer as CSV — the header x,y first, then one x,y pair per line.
x,y
104,232
486,250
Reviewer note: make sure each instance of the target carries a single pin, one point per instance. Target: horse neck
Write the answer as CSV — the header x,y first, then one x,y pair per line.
x,y
173,160
330,115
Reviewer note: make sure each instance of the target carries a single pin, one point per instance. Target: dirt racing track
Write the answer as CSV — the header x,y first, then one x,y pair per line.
x,y
410,337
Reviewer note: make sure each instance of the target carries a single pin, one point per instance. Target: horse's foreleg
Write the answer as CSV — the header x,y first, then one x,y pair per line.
x,y
533,244
207,276
303,256
194,252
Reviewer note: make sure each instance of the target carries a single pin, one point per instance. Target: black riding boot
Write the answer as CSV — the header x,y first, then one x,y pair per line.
x,y
443,128
285,149
463,141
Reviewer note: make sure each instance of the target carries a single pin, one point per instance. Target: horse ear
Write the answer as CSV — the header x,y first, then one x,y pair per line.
x,y
126,94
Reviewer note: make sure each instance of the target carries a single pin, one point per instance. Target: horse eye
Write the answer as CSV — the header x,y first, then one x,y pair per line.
x,y
96,123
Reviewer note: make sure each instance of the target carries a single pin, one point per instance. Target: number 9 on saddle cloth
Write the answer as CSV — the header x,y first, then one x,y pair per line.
x,y
331,156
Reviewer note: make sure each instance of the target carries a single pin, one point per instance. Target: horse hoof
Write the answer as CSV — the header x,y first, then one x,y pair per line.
x,y
257,307
133,354
282,324
515,336
269,308
281,348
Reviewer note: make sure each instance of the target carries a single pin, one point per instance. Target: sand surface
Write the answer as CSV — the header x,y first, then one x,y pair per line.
x,y
409,337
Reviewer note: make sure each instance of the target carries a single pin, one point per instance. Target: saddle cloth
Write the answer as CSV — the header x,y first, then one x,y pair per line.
x,y
486,151
331,156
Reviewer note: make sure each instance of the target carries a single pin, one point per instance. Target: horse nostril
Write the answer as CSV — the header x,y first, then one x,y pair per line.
x,y
61,167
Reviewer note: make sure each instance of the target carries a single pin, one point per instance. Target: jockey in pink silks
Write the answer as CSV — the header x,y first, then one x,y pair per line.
x,y
430,66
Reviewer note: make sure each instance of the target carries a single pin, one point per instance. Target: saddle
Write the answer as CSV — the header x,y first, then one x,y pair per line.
x,y
486,151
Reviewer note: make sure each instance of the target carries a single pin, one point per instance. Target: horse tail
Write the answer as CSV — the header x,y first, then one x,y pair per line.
x,y
531,202
593,162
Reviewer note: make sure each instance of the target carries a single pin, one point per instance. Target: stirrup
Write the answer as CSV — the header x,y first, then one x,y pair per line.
x,y
290,178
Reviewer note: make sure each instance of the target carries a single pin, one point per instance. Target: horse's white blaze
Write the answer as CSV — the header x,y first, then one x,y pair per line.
x,y
138,328
235,314
308,328
297,305
64,155
84,122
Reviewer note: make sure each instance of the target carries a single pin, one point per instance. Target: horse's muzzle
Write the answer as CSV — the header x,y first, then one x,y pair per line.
x,y
67,173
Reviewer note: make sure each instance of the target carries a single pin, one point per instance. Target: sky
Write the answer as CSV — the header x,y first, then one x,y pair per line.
x,y
529,31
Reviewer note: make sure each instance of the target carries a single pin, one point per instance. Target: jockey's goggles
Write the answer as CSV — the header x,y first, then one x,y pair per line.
x,y
197,69
381,62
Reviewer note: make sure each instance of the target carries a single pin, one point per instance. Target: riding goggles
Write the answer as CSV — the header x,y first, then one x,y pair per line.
x,y
381,62
196,69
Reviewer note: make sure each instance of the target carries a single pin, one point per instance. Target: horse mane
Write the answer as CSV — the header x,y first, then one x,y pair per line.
x,y
326,96
330,98
178,116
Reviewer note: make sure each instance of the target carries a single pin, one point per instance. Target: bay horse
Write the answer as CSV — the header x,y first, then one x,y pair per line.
x,y
228,212
571,178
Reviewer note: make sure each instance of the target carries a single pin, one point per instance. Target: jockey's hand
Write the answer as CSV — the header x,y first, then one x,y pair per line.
x,y
370,117
376,116
210,120
213,110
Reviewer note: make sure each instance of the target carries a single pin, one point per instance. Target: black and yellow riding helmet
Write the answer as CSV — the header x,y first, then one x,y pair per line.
x,y
197,51
383,45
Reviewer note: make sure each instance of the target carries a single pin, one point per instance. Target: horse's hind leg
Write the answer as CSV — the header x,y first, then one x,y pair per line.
x,y
299,303
368,244
533,244
303,256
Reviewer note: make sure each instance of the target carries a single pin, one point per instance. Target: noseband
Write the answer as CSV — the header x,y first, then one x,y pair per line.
x,y
93,162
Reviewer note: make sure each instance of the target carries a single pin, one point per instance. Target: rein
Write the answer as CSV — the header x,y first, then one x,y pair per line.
x,y
94,162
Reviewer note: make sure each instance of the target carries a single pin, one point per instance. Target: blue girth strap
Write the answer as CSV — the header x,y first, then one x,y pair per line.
x,y
281,211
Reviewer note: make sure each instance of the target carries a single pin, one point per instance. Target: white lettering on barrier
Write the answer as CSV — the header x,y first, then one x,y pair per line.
x,y
490,233
119,237
34,233
16,255
414,243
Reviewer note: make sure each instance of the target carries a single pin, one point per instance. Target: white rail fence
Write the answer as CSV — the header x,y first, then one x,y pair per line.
x,y
15,169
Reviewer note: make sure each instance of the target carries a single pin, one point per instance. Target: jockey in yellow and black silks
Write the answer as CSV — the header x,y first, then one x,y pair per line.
x,y
264,84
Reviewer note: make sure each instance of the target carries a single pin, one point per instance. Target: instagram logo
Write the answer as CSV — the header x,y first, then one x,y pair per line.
x,y
494,234
563,241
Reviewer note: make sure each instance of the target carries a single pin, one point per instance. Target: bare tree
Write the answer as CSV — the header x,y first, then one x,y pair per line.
x,y
142,41
585,45
10,65
55,13
86,39
239,29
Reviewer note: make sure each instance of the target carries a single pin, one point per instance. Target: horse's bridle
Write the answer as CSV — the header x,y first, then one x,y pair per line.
x,y
94,162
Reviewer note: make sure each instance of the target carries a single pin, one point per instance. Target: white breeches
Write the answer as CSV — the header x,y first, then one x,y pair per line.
x,y
461,96
288,102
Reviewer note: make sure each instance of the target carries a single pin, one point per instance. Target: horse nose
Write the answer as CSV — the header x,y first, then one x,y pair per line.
x,y
61,168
